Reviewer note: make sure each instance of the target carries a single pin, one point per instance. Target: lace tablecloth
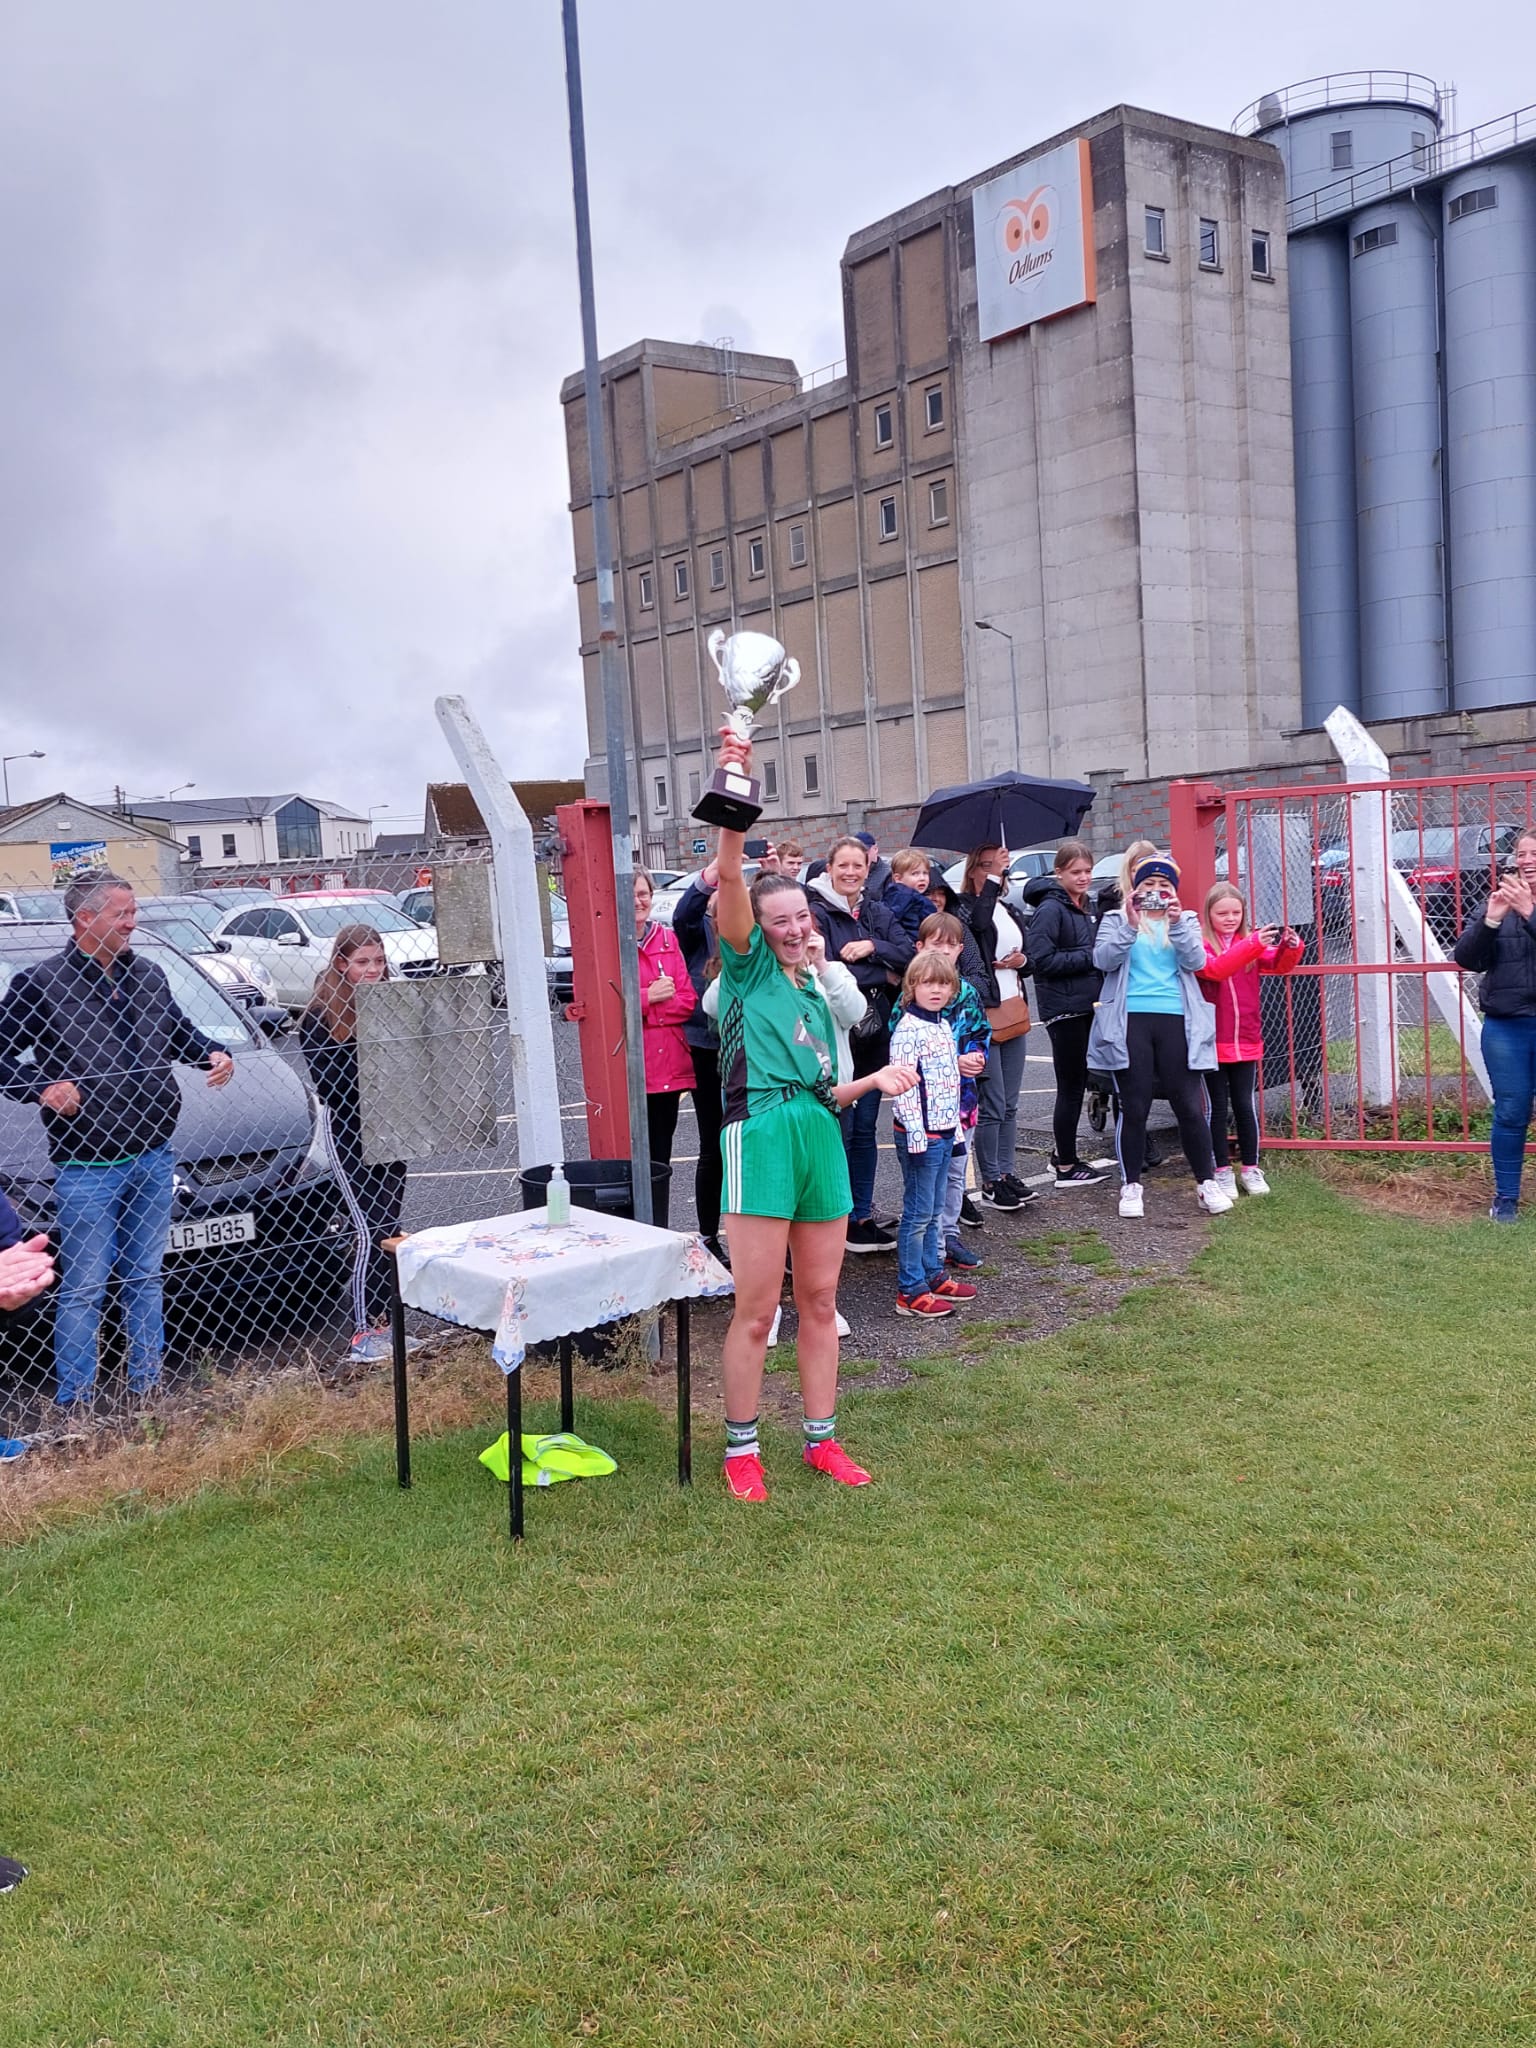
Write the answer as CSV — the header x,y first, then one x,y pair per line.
x,y
528,1283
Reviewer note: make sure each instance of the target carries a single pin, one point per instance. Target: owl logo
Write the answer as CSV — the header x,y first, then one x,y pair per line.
x,y
1026,233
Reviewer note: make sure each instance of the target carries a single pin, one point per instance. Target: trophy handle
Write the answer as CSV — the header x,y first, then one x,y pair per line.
x,y
714,643
790,676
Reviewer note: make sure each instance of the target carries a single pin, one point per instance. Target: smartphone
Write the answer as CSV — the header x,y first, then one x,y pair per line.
x,y
754,849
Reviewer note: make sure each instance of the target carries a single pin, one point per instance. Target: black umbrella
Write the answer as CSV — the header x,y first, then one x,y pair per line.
x,y
1006,810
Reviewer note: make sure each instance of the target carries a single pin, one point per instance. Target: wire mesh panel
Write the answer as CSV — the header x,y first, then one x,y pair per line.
x,y
1373,1041
206,1222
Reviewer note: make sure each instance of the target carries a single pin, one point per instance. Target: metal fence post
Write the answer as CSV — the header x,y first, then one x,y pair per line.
x,y
536,1090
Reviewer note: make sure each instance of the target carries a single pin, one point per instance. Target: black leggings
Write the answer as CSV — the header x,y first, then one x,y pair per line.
x,y
661,1120
1231,1091
1158,1054
1069,1057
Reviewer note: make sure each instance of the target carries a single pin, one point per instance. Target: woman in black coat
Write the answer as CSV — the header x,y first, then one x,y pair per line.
x,y
1067,984
867,939
1500,944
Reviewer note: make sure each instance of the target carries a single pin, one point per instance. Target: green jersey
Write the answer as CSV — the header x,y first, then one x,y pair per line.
x,y
776,1036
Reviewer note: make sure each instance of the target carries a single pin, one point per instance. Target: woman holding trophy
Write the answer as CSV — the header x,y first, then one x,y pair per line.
x,y
786,1173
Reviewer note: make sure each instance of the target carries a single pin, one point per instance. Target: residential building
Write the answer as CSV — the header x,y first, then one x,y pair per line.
x,y
260,831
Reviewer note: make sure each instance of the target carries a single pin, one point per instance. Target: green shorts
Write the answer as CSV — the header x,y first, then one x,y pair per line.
x,y
787,1161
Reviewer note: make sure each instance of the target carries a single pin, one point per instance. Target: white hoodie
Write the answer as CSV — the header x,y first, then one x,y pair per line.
x,y
845,999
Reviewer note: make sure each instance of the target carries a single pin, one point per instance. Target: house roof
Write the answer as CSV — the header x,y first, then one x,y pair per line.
x,y
228,810
457,815
113,824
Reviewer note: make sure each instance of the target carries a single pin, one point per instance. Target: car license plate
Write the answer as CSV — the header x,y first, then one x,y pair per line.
x,y
210,1231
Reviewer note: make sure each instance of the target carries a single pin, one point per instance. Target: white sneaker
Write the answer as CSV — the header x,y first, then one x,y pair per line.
x,y
1226,1180
1130,1199
844,1327
1214,1199
1253,1181
773,1327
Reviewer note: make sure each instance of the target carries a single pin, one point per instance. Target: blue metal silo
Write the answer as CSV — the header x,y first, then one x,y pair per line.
x,y
1489,256
1323,423
1394,325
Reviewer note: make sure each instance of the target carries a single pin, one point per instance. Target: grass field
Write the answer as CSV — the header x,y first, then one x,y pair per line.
x,y
1176,1684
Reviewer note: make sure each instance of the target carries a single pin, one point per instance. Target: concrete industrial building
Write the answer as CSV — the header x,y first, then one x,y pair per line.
x,y
1105,483
1272,449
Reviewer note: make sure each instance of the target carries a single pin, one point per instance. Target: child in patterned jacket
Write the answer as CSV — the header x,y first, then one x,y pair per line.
x,y
926,1120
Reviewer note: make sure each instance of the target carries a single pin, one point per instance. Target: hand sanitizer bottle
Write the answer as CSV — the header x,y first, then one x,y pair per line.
x,y
557,1200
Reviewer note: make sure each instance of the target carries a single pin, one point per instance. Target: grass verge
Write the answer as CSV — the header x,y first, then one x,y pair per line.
x,y
1176,1684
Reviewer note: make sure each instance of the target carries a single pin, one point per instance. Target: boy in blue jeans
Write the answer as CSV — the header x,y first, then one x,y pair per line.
x,y
926,1119
966,1017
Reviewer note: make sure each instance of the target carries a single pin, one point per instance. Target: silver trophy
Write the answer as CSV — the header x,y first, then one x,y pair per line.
x,y
754,672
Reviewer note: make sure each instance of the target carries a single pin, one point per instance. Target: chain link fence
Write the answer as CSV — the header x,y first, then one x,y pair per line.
x,y
239,1215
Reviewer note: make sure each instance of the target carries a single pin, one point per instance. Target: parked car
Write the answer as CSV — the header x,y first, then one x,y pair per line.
x,y
245,982
666,899
238,895
557,962
256,1202
291,937
417,904
32,906
1451,868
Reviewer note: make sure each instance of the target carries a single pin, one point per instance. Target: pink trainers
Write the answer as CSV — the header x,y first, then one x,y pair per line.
x,y
744,1478
831,1458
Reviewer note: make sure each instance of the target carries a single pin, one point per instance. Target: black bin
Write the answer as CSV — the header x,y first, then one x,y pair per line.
x,y
603,1184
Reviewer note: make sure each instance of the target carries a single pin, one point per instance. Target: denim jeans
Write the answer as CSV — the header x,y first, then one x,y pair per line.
x,y
111,1219
920,1240
1509,1049
859,1121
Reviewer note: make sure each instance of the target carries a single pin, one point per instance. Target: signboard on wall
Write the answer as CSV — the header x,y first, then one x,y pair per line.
x,y
71,857
1034,240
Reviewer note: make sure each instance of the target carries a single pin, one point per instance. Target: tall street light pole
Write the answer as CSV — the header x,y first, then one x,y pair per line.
x,y
5,771
986,626
610,670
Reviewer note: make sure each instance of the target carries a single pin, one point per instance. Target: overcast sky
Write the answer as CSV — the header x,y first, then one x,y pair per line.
x,y
288,289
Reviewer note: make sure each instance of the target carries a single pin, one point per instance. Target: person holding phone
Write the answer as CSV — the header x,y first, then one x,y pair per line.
x,y
1499,943
1235,957
1153,1028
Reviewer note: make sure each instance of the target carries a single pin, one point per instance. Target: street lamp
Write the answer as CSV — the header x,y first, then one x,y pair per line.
x,y
5,774
986,626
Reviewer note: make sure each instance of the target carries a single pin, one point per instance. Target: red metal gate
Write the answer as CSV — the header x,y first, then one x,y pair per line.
x,y
1373,1043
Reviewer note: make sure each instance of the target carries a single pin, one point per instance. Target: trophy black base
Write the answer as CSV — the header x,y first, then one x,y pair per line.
x,y
731,803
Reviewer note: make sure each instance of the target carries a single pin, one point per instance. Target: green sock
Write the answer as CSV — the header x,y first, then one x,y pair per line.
x,y
741,1439
820,1432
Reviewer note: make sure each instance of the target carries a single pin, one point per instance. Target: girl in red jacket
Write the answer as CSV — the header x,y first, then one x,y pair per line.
x,y
667,1001
1235,957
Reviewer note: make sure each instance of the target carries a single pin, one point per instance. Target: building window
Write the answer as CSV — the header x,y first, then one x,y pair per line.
x,y
933,408
1154,232
1376,238
938,503
888,527
660,786
771,781
812,767
1420,150
229,846
298,832
885,432
797,547
757,558
695,784
1261,254
1210,245
1343,146
647,591
194,845
680,578
1473,202
717,568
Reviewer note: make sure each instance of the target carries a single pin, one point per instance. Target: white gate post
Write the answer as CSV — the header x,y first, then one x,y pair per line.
x,y
520,932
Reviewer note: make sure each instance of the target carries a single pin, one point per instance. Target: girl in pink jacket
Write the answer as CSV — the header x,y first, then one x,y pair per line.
x,y
1235,957
667,1001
